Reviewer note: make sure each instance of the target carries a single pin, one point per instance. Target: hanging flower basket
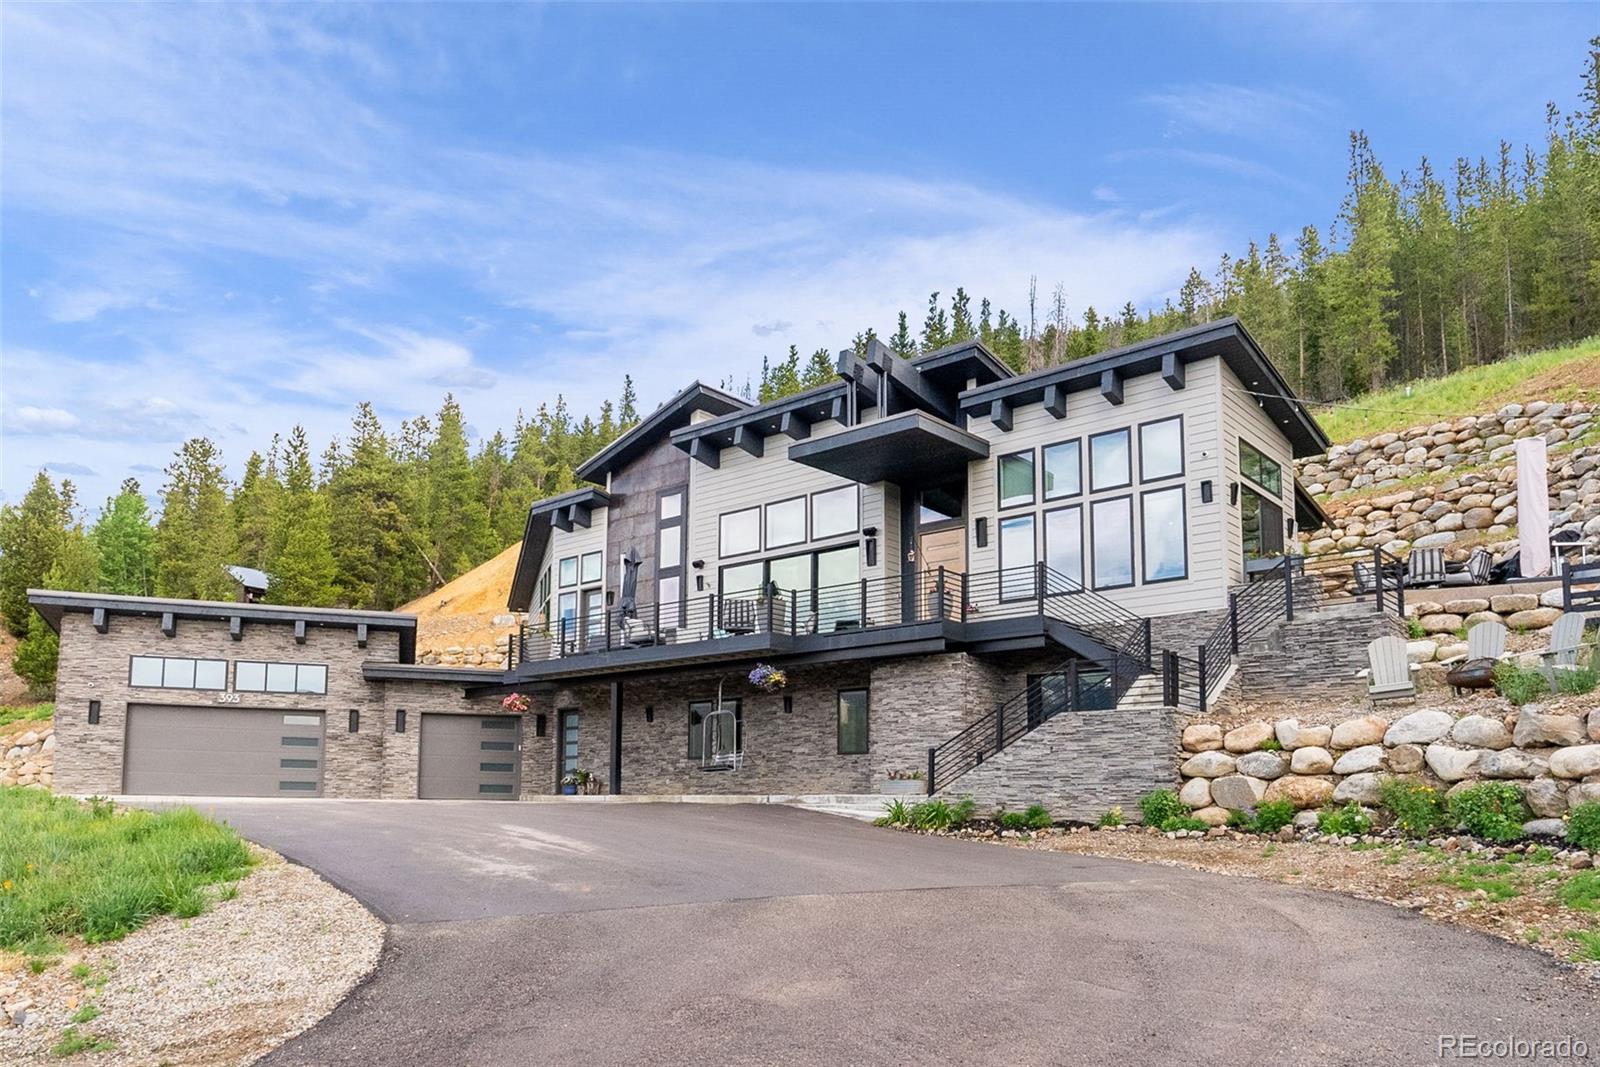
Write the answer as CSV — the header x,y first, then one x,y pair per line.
x,y
768,678
515,703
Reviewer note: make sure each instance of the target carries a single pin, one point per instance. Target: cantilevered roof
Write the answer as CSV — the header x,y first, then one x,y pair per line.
x,y
52,604
952,366
1225,338
907,448
792,416
669,416
562,511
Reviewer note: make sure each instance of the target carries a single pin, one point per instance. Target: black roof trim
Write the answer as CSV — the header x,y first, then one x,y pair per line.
x,y
52,604
377,671
695,397
536,535
1226,338
972,354
817,400
1308,511
588,496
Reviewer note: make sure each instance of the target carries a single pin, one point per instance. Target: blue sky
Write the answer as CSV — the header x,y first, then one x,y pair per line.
x,y
226,220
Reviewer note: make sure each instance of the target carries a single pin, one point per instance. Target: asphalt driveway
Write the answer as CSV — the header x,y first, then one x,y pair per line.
x,y
533,934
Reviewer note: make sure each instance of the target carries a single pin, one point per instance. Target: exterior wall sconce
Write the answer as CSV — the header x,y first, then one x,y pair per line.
x,y
788,704
1233,494
649,714
399,720
355,721
871,533
980,530
94,712
538,725
1205,491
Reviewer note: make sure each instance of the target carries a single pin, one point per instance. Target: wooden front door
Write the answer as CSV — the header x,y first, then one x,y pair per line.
x,y
945,547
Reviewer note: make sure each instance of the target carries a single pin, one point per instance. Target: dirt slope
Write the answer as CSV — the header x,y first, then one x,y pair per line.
x,y
462,612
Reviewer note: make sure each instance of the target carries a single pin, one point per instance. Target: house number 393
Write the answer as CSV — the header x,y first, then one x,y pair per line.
x,y
227,698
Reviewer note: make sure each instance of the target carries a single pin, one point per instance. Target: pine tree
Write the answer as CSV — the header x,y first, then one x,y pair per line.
x,y
936,327
819,368
30,540
961,326
195,538
300,563
628,412
373,562
126,541
457,521
902,344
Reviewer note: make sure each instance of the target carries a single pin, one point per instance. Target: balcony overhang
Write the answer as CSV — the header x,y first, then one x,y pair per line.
x,y
909,448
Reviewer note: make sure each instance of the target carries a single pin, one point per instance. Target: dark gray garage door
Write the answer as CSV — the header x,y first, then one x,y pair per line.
x,y
469,757
223,752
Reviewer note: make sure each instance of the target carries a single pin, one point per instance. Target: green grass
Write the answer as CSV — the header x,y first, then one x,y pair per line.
x,y
91,871
26,712
74,1041
1588,945
1582,891
1467,392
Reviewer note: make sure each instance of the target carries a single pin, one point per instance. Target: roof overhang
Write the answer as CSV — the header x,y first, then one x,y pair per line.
x,y
952,366
376,671
909,448
52,604
1308,512
565,511
669,416
1225,339
792,417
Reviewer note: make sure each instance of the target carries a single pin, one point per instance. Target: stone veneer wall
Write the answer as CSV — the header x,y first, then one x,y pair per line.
x,y
1315,656
1553,757
400,751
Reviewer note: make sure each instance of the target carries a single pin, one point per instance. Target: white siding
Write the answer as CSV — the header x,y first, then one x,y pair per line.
x,y
1243,417
580,541
1145,399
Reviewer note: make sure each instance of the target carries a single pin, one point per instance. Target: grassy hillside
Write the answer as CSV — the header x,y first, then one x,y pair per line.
x,y
1555,374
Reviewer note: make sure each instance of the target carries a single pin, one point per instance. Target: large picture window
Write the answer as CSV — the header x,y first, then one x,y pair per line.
x,y
1111,542
834,512
739,532
1110,464
1063,470
1063,548
1254,465
1161,449
1017,557
177,672
256,677
853,711
1164,538
786,522
1016,479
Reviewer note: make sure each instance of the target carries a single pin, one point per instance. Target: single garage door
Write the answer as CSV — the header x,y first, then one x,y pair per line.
x,y
223,752
470,757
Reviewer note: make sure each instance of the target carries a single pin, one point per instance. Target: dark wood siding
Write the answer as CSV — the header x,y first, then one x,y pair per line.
x,y
631,519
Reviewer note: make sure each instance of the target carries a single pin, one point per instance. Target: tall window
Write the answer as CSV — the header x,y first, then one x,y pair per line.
x,y
1016,479
669,556
786,522
1110,465
834,512
1063,548
1166,552
1261,522
739,532
1017,557
592,568
1111,533
1063,470
1161,449
567,572
853,711
1255,465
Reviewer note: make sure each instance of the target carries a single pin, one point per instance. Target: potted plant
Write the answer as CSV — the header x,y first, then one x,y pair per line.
x,y
904,781
515,703
569,784
768,678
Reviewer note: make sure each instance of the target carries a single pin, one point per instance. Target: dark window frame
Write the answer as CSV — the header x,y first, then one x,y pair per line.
x,y
805,522
1081,507
223,688
1277,494
673,568
811,514
1031,517
1045,494
560,562
838,721
1183,458
999,480
696,732
1133,563
1125,431
760,531
295,692
1144,536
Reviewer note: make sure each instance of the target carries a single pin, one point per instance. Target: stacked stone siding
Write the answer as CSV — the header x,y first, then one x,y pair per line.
x,y
400,751
1317,656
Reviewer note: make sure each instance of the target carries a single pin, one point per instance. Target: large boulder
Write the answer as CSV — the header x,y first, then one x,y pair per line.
x,y
1535,727
1594,725
1545,798
1356,733
1481,731
1451,764
1213,816
1292,735
1544,828
1311,760
1237,791
1533,618
1421,651
1579,761
1208,765
1202,737
1359,760
1263,765
1365,788
1510,603
1300,790
1247,738
1511,763
1419,728
1440,623
1196,793
1405,759
1586,793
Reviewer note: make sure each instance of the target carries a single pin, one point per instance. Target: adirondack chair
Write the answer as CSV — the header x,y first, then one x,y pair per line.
x,y
1486,640
1389,676
1566,641
1425,566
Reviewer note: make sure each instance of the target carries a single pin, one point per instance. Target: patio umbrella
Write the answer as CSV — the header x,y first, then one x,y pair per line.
x,y
629,601
1533,507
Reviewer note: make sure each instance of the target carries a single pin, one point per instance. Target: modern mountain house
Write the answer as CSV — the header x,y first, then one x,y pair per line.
x,y
969,580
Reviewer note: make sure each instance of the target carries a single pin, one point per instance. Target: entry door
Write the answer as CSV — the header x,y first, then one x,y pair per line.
x,y
569,744
945,547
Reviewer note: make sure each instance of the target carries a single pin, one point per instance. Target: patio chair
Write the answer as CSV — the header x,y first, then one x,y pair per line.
x,y
1476,572
1425,567
1486,640
1389,676
1566,641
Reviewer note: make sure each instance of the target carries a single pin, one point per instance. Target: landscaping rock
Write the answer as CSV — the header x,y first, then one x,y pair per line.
x,y
1405,759
1421,651
1361,788
1359,760
1357,733
1587,793
1545,798
1247,738
1202,737
1481,731
1511,763
1594,725
1263,765
1208,765
1537,728
1237,791
1300,790
1451,764
1442,623
1466,605
1311,760
1306,820
1510,603
1544,828
1575,762
1196,793
1533,618
1292,735
1213,816
1419,728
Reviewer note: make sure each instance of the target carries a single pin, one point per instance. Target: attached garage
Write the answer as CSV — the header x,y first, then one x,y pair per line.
x,y
470,757
227,752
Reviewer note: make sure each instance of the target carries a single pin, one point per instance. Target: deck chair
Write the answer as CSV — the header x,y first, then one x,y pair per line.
x,y
1425,567
1486,640
1566,641
1476,572
1389,676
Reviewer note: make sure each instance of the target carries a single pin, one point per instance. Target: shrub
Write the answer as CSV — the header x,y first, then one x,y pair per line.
x,y
1272,816
1038,817
1519,684
1011,820
1583,826
1418,809
1578,681
930,815
1239,819
1352,819
1271,744
896,814
1414,629
1111,818
1184,822
961,813
1160,807
1491,810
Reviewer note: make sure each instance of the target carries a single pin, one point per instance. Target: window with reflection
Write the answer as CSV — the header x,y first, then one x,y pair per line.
x,y
1063,470
1111,544
1016,479
834,512
1063,548
739,532
786,522
1161,449
1164,539
1110,462
1017,557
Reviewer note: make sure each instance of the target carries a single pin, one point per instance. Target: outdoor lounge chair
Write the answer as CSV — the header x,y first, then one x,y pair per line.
x,y
1566,641
1425,567
1389,676
1476,572
1486,640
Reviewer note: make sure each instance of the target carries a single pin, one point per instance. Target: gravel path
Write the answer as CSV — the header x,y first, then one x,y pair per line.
x,y
220,989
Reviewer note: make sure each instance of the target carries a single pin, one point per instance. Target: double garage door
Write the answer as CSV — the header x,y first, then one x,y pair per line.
x,y
230,752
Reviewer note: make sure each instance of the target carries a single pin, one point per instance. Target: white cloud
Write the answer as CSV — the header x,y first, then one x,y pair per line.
x,y
29,419
1239,110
